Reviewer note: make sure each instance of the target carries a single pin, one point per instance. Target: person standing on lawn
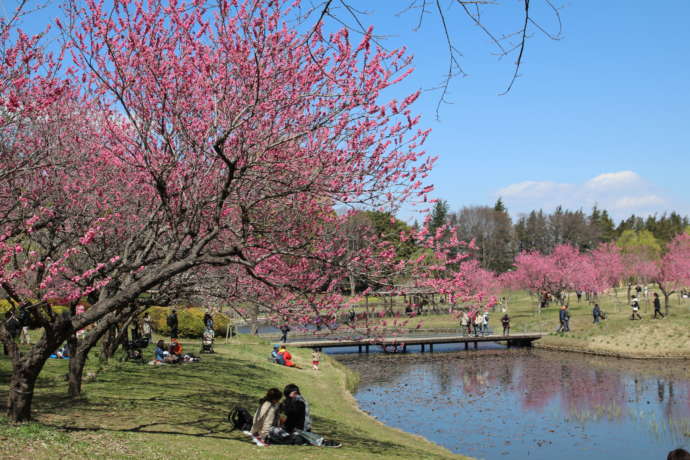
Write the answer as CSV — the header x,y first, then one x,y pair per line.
x,y
635,305
173,324
284,329
596,313
657,306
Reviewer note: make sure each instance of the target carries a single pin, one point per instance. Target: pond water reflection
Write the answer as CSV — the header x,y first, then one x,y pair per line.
x,y
530,403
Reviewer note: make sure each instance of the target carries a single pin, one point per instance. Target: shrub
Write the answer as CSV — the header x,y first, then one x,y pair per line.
x,y
190,321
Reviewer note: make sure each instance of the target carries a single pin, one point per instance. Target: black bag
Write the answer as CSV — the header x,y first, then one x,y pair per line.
x,y
240,418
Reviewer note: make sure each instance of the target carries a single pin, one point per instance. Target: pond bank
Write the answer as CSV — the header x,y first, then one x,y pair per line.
x,y
178,412
584,348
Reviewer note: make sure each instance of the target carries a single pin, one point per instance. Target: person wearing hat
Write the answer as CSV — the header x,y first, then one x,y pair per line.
x,y
296,410
298,419
275,356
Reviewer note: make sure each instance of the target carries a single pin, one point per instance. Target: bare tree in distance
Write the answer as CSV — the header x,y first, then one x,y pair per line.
x,y
505,43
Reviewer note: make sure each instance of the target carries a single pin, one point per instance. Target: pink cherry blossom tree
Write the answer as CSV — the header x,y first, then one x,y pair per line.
x,y
183,138
556,273
608,265
673,270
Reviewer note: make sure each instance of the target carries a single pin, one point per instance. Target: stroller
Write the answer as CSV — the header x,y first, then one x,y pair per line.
x,y
207,341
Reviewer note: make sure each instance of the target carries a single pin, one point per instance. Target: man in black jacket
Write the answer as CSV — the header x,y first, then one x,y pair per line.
x,y
172,324
657,306
296,410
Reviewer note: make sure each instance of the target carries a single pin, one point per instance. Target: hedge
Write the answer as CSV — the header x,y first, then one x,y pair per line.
x,y
190,321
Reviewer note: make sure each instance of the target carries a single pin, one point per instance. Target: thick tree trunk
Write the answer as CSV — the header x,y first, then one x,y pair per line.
x,y
83,347
25,370
666,296
116,336
76,370
21,394
107,350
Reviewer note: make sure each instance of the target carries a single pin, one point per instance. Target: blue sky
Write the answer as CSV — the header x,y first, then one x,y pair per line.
x,y
600,116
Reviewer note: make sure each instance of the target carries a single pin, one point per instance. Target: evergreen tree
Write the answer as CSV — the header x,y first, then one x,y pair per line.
x,y
439,216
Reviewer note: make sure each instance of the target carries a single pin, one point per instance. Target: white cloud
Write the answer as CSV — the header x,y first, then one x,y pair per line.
x,y
532,189
621,193
614,180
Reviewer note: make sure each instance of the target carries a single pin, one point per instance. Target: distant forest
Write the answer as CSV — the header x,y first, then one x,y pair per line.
x,y
500,239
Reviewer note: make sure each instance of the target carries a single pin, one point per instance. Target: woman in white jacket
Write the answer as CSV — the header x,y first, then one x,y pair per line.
x,y
267,415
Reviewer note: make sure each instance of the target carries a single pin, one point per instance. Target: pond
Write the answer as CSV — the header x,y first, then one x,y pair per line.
x,y
530,404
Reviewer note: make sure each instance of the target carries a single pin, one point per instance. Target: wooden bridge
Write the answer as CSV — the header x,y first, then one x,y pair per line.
x,y
403,342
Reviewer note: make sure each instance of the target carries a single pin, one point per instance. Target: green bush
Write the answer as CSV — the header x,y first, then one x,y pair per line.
x,y
190,321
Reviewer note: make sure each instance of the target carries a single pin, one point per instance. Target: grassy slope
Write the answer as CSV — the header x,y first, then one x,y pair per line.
x,y
618,335
179,412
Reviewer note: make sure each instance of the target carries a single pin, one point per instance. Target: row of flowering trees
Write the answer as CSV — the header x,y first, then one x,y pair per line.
x,y
566,269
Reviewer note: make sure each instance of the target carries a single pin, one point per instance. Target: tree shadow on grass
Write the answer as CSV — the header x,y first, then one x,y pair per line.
x,y
189,400
353,437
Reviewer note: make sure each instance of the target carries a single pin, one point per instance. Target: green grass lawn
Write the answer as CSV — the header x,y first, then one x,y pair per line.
x,y
168,412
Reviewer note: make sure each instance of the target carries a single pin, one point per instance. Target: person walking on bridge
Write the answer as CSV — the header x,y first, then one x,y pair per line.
x,y
477,323
485,323
465,323
505,321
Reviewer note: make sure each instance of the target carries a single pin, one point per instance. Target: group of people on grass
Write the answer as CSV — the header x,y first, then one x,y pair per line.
x,y
598,314
287,422
281,355
171,354
635,306
477,323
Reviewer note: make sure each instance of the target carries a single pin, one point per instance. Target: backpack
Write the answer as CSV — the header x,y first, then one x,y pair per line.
x,y
240,418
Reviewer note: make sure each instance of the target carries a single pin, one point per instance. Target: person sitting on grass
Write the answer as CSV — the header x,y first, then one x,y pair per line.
x,y
175,348
159,353
63,352
163,356
296,410
296,428
267,415
287,357
277,356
